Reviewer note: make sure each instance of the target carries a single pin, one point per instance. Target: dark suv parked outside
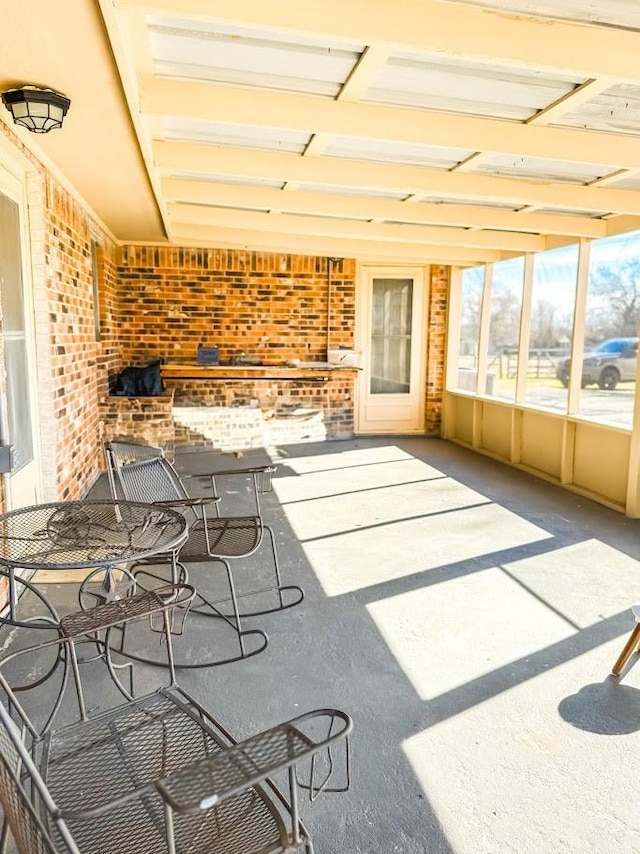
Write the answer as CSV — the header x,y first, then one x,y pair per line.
x,y
614,360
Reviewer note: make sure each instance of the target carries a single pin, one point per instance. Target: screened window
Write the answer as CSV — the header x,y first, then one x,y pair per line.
x,y
504,327
472,288
553,295
608,376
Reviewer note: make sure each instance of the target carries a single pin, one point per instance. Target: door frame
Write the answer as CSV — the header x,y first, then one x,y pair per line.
x,y
420,337
13,181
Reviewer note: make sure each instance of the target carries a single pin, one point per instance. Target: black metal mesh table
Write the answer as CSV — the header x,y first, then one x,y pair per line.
x,y
99,536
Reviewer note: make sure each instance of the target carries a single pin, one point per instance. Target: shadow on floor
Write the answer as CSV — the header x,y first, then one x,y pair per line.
x,y
466,615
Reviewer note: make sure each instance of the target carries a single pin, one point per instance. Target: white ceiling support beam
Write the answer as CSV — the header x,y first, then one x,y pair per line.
x,y
358,229
364,73
469,163
613,177
173,155
578,96
299,244
308,114
132,24
622,225
317,144
266,198
430,25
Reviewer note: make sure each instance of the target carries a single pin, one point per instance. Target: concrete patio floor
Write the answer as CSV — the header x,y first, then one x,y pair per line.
x,y
467,616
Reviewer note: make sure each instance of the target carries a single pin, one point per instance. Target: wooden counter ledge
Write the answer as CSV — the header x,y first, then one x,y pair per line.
x,y
305,371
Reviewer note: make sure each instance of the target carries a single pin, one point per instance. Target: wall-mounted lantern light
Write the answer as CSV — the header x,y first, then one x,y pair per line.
x,y
38,110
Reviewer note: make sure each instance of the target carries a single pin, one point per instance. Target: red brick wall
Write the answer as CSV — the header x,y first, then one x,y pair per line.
x,y
140,419
163,301
436,344
270,305
77,361
72,367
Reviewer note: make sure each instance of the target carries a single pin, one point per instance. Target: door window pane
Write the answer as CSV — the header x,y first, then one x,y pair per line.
x,y
504,327
392,301
611,330
555,275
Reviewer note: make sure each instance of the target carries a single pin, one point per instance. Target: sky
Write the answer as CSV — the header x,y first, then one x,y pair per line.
x,y
555,271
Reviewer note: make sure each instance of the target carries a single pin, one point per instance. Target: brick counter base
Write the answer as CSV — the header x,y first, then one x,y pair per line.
x,y
293,410
234,414
139,419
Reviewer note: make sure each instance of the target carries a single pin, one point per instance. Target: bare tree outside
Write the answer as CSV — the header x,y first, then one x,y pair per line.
x,y
614,300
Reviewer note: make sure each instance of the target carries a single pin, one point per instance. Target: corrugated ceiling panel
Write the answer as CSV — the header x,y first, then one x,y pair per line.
x,y
540,169
352,191
245,208
630,181
571,212
394,152
472,203
335,217
616,13
192,49
239,136
617,109
425,80
213,177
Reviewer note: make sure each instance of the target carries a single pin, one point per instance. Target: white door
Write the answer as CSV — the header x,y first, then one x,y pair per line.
x,y
391,337
18,420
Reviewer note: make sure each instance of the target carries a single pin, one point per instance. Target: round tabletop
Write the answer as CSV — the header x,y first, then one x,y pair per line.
x,y
84,534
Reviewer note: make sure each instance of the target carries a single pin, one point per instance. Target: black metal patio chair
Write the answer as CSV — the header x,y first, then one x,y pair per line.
x,y
144,472
151,774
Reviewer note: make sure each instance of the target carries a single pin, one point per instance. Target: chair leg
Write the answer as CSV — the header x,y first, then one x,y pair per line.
x,y
295,594
276,563
625,655
234,603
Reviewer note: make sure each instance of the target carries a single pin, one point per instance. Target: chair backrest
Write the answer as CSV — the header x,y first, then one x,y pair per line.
x,y
20,784
142,473
46,703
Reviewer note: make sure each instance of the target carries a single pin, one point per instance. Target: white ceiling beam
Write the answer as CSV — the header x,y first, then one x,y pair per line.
x,y
469,163
430,25
613,177
372,59
622,225
317,144
358,229
196,157
308,114
324,204
300,244
570,101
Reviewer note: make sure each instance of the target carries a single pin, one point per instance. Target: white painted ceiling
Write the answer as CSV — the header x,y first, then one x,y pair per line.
x,y
421,130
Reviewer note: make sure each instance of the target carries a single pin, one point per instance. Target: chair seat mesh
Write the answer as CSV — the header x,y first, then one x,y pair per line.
x,y
235,536
115,754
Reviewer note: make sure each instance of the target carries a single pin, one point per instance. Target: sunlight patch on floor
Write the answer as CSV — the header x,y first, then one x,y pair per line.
x,y
586,581
372,515
448,634
342,459
354,479
375,507
513,775
344,562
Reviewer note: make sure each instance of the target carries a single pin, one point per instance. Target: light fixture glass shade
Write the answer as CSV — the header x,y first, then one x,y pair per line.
x,y
38,110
